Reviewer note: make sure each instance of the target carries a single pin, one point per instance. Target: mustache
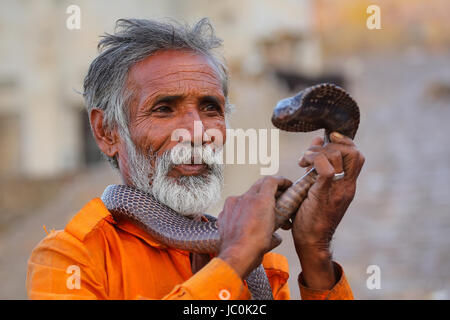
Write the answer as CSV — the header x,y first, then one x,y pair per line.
x,y
185,153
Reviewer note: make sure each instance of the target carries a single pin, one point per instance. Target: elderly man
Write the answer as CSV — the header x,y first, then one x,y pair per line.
x,y
150,79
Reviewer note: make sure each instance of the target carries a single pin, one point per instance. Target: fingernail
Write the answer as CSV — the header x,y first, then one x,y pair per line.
x,y
307,153
337,135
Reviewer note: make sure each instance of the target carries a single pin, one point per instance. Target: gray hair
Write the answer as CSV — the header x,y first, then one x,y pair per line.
x,y
105,85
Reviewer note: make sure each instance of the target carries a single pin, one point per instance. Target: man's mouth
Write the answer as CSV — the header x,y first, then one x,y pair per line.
x,y
190,169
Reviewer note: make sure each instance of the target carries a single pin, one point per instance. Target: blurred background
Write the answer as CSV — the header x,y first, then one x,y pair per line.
x,y
399,74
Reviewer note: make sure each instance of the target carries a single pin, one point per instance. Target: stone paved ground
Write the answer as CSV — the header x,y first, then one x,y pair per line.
x,y
400,218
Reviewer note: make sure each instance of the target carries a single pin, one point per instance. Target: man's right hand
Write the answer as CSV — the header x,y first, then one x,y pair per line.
x,y
246,225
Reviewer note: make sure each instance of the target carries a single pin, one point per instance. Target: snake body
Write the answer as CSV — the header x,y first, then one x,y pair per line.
x,y
322,106
174,230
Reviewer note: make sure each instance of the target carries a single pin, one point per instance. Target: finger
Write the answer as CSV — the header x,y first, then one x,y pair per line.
x,y
309,156
302,162
317,141
272,184
351,158
320,162
323,166
335,158
256,186
336,137
307,159
228,207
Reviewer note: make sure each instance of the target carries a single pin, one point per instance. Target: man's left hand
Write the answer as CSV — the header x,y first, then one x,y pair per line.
x,y
325,205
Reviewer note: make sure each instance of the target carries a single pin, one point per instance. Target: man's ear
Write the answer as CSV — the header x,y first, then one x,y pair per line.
x,y
107,140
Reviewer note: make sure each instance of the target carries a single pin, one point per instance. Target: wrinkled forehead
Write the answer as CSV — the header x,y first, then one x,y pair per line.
x,y
172,69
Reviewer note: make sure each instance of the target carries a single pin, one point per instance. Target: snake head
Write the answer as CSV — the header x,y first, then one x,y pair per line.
x,y
324,106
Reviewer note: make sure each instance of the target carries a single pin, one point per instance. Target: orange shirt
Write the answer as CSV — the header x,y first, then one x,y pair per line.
x,y
96,258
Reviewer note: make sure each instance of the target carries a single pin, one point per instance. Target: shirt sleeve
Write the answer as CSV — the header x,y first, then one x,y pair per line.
x,y
340,291
218,280
215,281
59,269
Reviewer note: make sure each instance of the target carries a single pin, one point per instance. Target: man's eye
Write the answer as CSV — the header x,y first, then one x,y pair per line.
x,y
162,109
213,107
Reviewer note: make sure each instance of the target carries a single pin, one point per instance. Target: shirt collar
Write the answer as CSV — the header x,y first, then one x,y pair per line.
x,y
131,228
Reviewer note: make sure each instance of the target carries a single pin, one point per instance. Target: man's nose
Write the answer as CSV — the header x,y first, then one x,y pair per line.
x,y
194,124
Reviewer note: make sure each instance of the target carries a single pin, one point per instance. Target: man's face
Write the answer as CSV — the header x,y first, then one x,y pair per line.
x,y
171,90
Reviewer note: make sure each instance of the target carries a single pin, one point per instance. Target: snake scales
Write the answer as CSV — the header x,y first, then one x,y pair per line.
x,y
322,106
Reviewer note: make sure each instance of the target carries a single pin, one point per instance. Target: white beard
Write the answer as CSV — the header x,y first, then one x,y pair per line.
x,y
187,195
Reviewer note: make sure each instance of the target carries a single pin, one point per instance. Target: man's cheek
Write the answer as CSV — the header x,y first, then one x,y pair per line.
x,y
216,133
150,134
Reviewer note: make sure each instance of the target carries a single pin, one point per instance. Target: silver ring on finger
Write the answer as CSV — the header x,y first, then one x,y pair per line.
x,y
338,176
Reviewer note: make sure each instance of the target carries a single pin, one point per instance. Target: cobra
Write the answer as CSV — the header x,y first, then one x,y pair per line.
x,y
323,106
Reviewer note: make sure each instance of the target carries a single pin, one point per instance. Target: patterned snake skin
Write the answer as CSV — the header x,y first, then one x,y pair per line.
x,y
175,230
322,106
